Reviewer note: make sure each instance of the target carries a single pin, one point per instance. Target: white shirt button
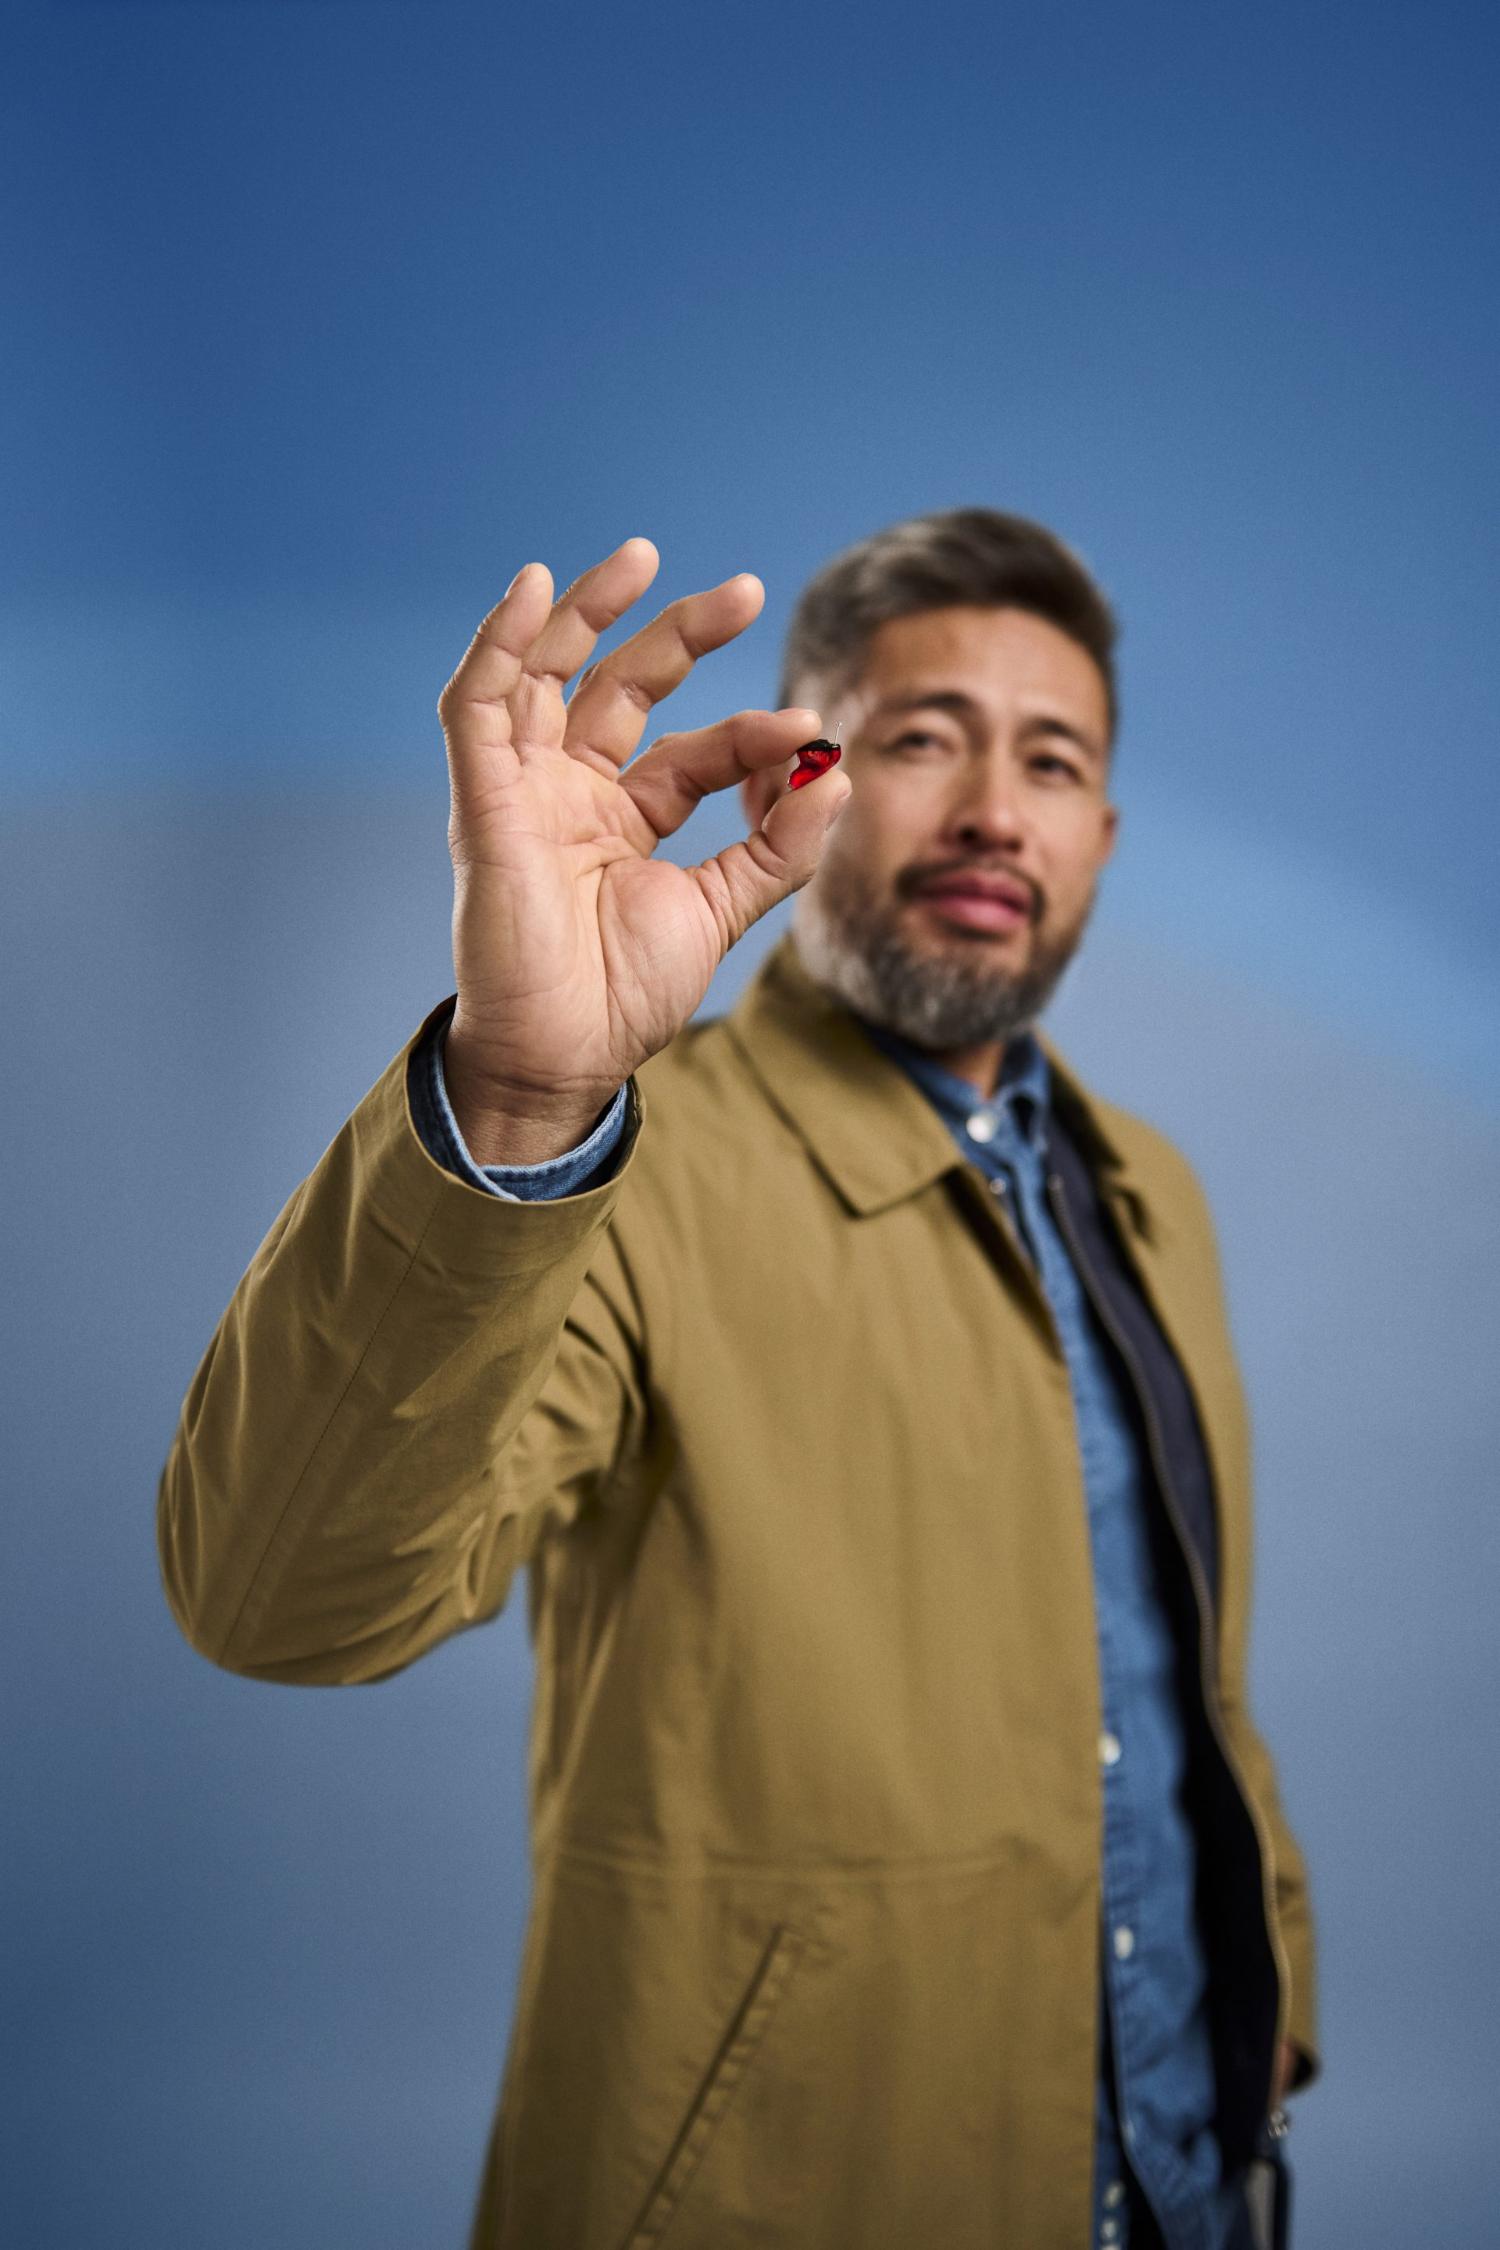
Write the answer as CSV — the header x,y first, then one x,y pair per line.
x,y
982,1125
1114,2193
1109,1749
1110,2231
1124,1943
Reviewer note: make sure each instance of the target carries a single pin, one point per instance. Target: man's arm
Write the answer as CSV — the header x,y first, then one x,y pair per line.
x,y
1300,2062
418,1375
1293,1901
411,1382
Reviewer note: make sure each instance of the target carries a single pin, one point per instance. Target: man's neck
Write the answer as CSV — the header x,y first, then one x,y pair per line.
x,y
981,1066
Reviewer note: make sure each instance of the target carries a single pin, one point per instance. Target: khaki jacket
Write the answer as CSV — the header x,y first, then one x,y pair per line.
x,y
778,1421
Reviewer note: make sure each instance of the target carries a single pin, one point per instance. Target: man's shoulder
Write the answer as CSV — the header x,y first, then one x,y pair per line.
x,y
1144,1145
1148,1158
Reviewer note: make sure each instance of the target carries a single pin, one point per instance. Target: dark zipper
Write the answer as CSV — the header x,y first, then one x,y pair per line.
x,y
1057,1202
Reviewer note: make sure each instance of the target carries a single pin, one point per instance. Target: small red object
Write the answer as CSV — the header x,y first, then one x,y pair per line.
x,y
812,759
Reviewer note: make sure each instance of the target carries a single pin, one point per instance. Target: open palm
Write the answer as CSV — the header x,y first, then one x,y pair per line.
x,y
577,954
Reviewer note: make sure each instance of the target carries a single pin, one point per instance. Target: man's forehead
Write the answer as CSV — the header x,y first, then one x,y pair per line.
x,y
982,653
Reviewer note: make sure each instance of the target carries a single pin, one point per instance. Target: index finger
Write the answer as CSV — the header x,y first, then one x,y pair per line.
x,y
615,697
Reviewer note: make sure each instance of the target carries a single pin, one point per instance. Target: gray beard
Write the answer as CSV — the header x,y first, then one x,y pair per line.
x,y
852,946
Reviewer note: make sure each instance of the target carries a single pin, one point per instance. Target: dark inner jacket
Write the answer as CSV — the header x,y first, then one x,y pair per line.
x,y
1243,1987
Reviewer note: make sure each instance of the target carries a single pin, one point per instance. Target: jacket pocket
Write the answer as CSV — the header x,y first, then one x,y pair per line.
x,y
737,2047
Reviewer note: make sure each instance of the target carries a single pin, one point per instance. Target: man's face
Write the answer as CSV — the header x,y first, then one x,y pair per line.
x,y
956,883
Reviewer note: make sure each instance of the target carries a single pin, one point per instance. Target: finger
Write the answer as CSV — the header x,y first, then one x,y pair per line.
x,y
473,706
673,777
589,607
570,635
613,700
745,880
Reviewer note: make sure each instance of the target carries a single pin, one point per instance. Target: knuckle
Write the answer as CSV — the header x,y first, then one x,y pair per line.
x,y
685,614
608,674
634,693
596,614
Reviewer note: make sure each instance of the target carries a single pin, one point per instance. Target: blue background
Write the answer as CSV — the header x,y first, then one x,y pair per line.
x,y
319,320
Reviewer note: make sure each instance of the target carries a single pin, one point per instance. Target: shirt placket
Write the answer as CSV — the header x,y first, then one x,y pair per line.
x,y
1023,1166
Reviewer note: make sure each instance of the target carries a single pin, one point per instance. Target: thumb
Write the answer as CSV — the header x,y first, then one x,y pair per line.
x,y
797,824
745,880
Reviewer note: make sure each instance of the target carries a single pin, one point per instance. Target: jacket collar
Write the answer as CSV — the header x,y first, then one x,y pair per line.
x,y
1022,1087
870,1129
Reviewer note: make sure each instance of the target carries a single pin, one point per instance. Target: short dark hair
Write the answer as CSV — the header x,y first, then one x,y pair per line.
x,y
958,556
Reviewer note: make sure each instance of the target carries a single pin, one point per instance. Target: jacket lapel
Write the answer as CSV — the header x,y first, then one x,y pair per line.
x,y
869,1129
877,1139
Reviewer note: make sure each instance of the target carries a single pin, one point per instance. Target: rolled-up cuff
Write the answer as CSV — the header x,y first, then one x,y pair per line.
x,y
587,1165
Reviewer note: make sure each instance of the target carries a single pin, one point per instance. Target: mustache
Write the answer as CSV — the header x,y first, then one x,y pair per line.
x,y
916,879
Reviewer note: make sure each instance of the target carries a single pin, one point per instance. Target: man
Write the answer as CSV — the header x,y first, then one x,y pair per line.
x,y
856,1387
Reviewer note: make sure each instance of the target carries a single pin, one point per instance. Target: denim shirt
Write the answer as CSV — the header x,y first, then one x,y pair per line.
x,y
1155,2089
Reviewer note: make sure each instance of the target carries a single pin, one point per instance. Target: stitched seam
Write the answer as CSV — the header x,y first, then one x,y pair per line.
x,y
913,1867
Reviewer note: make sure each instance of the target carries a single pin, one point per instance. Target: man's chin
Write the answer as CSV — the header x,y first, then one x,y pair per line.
x,y
938,984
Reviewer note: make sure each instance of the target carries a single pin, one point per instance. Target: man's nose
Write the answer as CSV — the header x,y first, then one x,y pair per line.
x,y
986,807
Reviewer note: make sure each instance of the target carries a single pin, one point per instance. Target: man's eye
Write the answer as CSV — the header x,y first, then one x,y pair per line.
x,y
913,735
1062,765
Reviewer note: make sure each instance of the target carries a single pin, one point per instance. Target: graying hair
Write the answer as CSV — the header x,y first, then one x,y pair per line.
x,y
958,556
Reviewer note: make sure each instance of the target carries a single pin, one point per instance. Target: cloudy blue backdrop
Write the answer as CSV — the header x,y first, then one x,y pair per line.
x,y
318,321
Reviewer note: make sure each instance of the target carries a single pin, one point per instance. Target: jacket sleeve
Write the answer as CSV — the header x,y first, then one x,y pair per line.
x,y
432,1114
413,1381
1293,1902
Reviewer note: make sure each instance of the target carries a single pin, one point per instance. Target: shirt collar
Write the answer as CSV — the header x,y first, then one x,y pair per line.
x,y
1022,1091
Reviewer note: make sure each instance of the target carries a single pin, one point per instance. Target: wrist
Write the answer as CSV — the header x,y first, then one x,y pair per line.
x,y
507,1125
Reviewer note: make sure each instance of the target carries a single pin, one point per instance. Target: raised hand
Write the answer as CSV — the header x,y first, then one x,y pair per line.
x,y
577,954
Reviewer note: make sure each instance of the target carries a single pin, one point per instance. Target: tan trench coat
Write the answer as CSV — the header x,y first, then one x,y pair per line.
x,y
778,1420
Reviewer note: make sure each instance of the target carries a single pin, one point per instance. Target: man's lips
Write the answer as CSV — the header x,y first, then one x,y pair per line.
x,y
983,902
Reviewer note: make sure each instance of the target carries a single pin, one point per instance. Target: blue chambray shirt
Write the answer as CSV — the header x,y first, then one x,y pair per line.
x,y
1155,2092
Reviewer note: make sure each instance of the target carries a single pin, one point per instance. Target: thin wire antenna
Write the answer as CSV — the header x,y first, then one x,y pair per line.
x,y
838,733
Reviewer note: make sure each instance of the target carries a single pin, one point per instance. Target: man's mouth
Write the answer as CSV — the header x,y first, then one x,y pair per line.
x,y
979,902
